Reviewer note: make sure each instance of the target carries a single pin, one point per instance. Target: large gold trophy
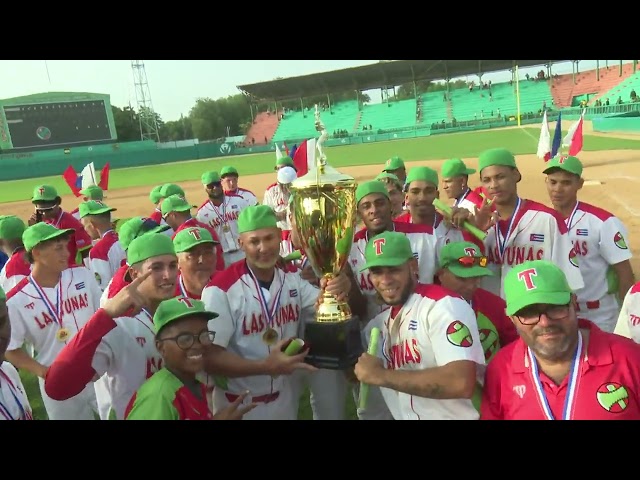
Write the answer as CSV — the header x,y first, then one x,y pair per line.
x,y
324,210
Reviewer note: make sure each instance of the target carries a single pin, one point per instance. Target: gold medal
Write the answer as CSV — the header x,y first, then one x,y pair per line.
x,y
63,335
270,337
226,228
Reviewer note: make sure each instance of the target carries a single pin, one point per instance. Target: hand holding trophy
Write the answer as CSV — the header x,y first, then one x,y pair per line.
x,y
324,208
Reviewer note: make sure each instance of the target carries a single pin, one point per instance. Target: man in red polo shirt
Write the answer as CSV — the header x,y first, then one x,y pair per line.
x,y
561,367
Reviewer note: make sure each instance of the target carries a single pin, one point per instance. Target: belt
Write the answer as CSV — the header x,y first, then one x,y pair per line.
x,y
268,398
588,305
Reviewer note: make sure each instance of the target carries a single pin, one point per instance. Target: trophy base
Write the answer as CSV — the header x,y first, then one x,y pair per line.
x,y
333,345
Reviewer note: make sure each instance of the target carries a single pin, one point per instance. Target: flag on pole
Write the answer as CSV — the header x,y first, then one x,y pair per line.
x,y
573,139
544,143
286,149
278,153
305,157
86,178
557,137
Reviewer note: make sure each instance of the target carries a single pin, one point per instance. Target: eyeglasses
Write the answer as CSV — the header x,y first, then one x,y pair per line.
x,y
532,316
186,340
469,262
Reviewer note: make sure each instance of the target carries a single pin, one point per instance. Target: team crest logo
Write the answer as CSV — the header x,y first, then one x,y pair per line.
x,y
618,239
459,335
573,257
613,397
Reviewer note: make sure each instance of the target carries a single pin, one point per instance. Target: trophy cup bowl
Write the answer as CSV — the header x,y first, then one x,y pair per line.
x,y
324,210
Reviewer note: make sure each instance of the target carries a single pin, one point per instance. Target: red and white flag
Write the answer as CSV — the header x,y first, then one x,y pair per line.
x,y
573,140
544,143
305,157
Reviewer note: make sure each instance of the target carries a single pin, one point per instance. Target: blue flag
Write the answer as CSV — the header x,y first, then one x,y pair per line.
x,y
557,137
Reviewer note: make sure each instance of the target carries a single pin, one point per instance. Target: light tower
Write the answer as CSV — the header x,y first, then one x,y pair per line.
x,y
146,114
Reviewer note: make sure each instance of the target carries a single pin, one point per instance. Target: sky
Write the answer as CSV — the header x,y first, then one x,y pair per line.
x,y
175,85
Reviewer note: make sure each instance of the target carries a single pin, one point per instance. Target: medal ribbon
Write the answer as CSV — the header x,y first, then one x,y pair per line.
x,y
3,408
182,288
502,241
269,314
462,197
222,217
572,387
56,312
569,221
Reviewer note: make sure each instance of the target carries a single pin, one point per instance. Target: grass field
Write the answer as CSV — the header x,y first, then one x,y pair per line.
x,y
465,145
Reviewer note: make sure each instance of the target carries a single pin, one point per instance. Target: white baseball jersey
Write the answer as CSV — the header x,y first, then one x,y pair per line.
x,y
534,232
247,311
444,233
600,240
36,312
628,324
14,404
423,245
14,270
247,195
433,328
224,220
276,198
75,213
106,257
127,356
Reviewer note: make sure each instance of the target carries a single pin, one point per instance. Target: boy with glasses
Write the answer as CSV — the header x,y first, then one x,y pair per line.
x,y
562,367
174,392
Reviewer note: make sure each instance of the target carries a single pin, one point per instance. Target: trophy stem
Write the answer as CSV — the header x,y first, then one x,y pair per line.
x,y
332,311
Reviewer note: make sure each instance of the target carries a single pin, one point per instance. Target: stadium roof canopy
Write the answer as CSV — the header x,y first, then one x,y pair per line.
x,y
378,75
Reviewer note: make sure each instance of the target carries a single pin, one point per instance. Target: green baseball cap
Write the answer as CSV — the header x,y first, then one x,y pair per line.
x,y
210,177
155,195
169,189
424,174
535,282
188,238
94,192
44,193
455,167
394,163
178,308
225,171
388,249
94,207
367,188
11,227
496,157
286,161
390,176
175,203
137,226
464,260
148,246
255,218
42,232
567,163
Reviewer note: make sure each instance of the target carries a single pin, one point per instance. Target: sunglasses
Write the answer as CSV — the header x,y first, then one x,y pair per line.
x,y
45,209
214,185
469,262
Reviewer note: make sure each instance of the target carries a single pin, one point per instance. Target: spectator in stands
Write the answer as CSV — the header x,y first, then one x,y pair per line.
x,y
633,95
619,101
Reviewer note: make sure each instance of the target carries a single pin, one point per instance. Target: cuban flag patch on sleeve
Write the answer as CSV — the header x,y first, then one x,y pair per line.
x,y
582,232
536,237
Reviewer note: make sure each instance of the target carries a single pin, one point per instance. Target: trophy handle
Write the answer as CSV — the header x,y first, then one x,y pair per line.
x,y
321,159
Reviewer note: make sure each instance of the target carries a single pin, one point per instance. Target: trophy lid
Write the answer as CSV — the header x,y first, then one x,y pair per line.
x,y
322,174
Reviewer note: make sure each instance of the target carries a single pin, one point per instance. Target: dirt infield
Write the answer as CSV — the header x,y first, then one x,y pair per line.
x,y
612,183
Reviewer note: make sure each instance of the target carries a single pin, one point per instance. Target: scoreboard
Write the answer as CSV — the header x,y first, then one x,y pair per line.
x,y
60,122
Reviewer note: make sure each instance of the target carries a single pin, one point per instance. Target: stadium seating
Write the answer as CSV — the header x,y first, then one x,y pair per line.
x,y
264,126
477,104
296,125
587,85
622,90
434,109
389,116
